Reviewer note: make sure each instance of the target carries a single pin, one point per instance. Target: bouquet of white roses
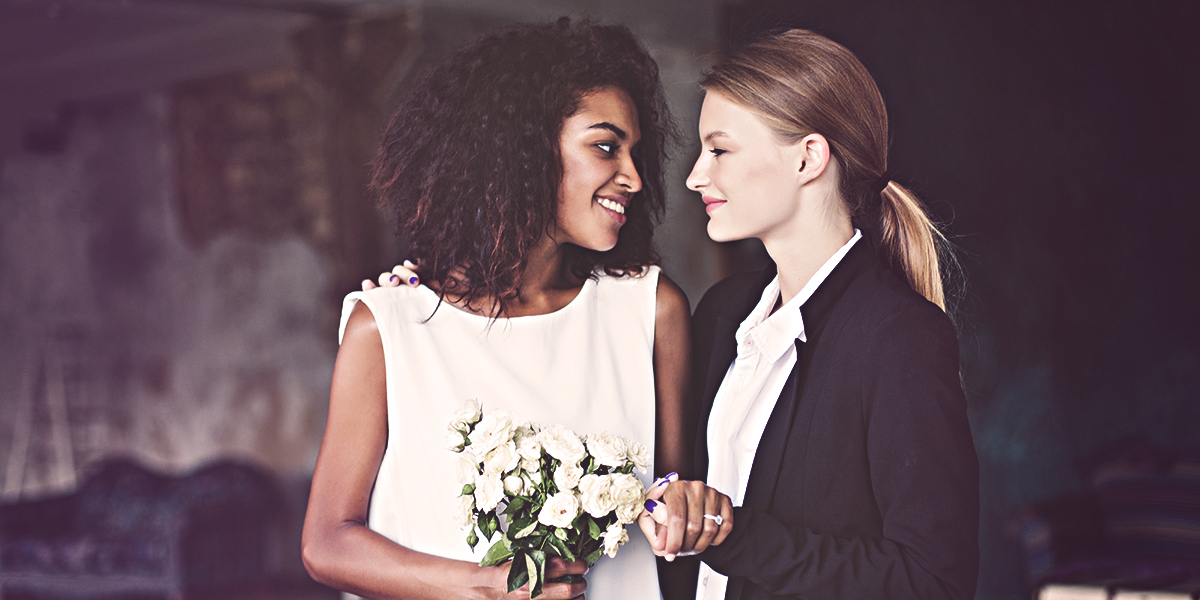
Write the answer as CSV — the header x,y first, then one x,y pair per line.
x,y
546,490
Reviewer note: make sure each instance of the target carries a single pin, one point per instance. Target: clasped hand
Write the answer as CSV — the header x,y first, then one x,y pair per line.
x,y
685,517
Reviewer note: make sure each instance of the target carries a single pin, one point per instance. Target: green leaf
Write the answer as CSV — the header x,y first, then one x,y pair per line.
x,y
514,505
489,524
594,556
498,553
593,529
468,489
560,548
526,530
472,539
535,563
518,573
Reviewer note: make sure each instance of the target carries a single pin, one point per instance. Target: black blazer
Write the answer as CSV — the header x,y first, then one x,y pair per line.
x,y
865,483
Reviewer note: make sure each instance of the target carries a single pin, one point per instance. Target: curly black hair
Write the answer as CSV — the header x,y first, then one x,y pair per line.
x,y
470,165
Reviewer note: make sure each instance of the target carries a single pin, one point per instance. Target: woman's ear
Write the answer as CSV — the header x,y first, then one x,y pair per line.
x,y
812,157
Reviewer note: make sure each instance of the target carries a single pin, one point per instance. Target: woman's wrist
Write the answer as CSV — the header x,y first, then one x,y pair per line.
x,y
489,583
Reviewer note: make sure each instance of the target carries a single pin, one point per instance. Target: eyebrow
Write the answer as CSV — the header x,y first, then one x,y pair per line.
x,y
620,133
715,134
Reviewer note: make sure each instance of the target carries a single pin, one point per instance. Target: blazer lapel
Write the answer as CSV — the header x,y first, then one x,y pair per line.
x,y
816,311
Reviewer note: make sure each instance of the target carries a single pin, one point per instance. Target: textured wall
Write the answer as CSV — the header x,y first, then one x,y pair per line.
x,y
171,352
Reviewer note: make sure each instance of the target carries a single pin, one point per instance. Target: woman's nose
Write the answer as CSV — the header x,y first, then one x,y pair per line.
x,y
698,178
628,176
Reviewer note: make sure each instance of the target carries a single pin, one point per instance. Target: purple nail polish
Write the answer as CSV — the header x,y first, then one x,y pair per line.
x,y
394,278
412,281
651,505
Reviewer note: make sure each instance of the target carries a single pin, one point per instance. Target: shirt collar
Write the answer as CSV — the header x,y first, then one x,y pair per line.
x,y
773,333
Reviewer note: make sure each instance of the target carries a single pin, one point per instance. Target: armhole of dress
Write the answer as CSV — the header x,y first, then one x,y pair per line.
x,y
348,304
653,273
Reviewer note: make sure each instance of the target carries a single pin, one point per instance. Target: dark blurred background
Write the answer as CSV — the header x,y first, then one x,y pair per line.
x,y
183,205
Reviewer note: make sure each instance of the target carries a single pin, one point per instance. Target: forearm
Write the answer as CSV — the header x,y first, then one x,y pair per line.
x,y
353,558
799,562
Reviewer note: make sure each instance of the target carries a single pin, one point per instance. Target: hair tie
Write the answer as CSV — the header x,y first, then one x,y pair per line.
x,y
881,183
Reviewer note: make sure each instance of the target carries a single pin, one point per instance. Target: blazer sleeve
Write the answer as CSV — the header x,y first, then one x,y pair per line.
x,y
924,475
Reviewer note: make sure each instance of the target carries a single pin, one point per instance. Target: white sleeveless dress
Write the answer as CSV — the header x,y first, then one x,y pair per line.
x,y
587,366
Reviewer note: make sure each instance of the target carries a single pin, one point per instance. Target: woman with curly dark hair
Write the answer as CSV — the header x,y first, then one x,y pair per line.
x,y
526,171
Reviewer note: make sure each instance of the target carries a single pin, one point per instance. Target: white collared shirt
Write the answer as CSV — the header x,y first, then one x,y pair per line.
x,y
766,354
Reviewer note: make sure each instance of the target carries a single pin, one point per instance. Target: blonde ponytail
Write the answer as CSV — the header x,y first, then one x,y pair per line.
x,y
912,242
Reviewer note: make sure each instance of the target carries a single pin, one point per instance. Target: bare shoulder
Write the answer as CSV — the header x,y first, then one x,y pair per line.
x,y
672,301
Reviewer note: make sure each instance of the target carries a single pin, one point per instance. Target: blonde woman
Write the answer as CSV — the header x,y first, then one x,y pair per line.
x,y
833,415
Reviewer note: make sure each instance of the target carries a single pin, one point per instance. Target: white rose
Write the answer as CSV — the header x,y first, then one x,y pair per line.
x,y
566,477
527,443
467,467
530,466
562,443
614,537
466,416
608,449
514,485
560,510
489,491
638,455
629,495
455,439
528,447
596,493
494,429
502,458
465,512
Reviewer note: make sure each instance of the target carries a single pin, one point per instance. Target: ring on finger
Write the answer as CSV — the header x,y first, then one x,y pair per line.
x,y
718,519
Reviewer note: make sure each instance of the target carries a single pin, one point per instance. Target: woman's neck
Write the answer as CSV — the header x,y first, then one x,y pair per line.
x,y
545,286
800,249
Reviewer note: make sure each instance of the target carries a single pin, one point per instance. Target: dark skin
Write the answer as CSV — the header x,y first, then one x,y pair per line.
x,y
339,549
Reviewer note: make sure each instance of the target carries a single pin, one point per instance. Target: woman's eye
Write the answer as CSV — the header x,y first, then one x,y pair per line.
x,y
607,147
717,151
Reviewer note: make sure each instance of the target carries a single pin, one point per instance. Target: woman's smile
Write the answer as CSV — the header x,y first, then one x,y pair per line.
x,y
711,204
614,206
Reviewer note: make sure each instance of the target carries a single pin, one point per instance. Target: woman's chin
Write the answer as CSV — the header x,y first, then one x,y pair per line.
x,y
721,234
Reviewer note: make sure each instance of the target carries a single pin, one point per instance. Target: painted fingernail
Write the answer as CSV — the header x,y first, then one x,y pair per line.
x,y
394,279
412,280
650,506
665,479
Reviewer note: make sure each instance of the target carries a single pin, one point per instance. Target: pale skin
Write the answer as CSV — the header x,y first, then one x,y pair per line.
x,y
339,549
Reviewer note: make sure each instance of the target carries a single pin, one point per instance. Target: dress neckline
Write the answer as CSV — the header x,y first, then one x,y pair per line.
x,y
587,282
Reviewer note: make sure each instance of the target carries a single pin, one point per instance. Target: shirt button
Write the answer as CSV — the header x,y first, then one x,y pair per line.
x,y
706,580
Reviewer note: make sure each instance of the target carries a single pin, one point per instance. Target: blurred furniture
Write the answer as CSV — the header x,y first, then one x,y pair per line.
x,y
130,531
1134,527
